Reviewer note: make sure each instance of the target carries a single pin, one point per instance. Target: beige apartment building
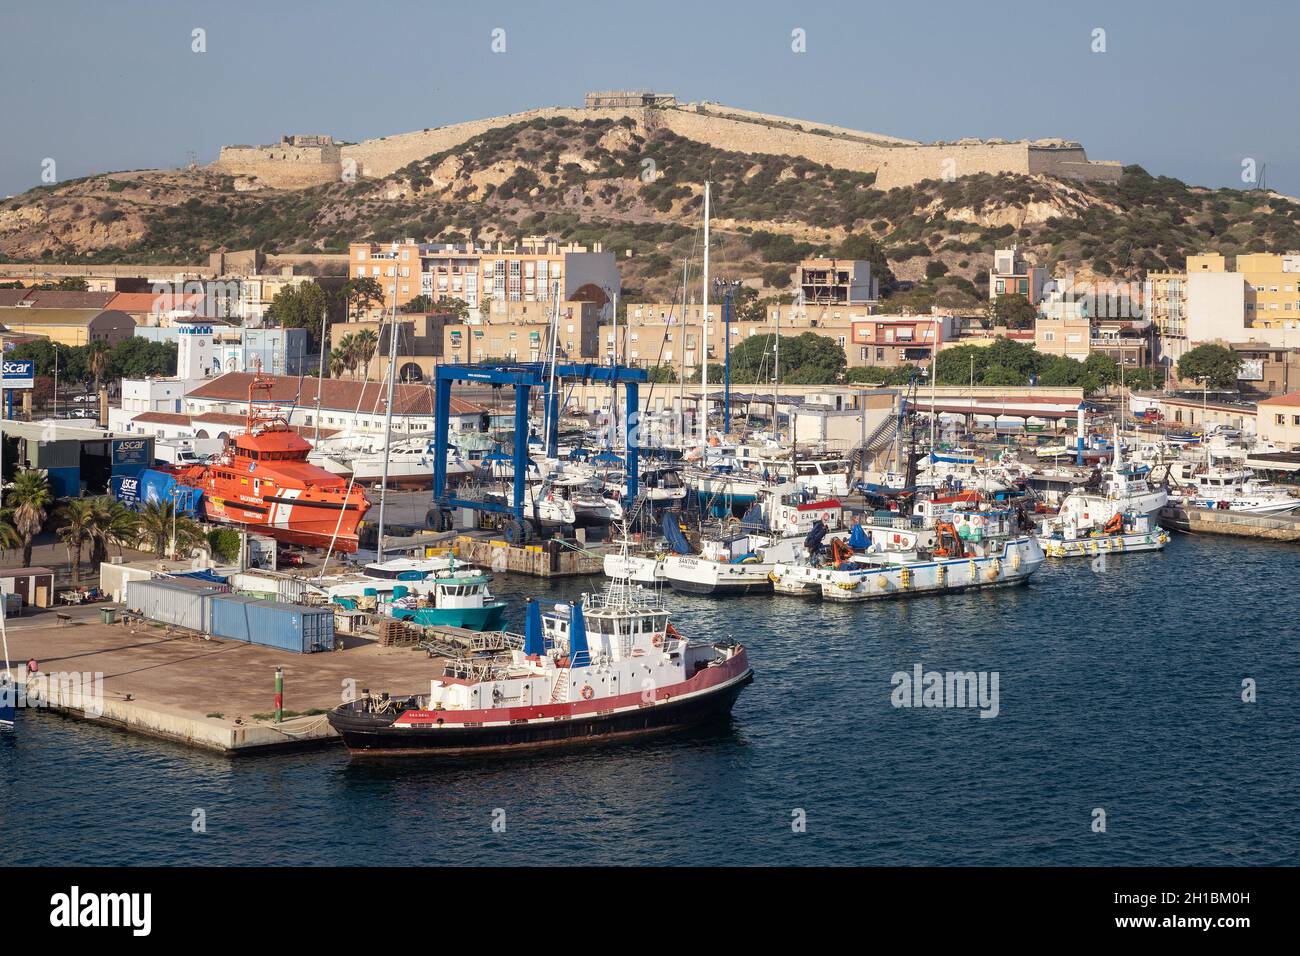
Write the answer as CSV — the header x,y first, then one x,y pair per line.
x,y
1278,421
532,272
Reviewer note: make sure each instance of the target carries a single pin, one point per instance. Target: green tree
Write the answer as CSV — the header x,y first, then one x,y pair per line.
x,y
158,521
30,499
1213,362
1012,310
77,518
140,358
299,306
421,303
361,293
1101,370
224,543
113,523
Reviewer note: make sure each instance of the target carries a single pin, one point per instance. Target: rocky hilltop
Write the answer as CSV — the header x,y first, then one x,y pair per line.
x,y
638,191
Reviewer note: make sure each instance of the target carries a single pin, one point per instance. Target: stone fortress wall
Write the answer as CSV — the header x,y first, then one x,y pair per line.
x,y
896,162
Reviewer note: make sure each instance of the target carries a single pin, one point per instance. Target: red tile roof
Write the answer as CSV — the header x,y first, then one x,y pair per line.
x,y
337,394
1291,398
10,297
146,302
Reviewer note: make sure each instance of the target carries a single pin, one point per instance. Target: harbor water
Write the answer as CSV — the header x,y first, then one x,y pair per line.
x,y
1119,690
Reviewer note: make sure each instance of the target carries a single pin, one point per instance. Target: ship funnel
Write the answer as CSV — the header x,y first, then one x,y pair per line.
x,y
534,640
579,655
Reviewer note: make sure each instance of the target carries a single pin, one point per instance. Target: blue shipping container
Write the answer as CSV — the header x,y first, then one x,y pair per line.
x,y
289,627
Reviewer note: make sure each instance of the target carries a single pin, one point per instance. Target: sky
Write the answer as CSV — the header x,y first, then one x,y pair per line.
x,y
1184,88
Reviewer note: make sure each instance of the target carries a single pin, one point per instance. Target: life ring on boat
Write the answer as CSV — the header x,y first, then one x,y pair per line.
x,y
826,517
587,692
657,640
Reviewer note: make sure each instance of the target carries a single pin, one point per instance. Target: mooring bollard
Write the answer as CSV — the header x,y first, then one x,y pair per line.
x,y
279,694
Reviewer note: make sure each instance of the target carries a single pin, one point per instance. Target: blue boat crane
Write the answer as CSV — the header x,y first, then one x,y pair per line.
x,y
524,377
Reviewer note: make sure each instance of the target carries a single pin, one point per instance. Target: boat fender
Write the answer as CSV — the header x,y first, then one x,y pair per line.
x,y
587,692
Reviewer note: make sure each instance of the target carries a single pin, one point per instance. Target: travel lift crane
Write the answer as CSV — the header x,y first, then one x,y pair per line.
x,y
524,377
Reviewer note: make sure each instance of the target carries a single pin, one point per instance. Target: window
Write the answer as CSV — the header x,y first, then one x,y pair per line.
x,y
1279,419
1295,419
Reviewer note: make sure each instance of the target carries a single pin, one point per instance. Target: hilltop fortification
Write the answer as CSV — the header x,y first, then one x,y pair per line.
x,y
299,161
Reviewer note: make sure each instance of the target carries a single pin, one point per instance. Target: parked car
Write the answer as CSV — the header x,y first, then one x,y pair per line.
x,y
86,399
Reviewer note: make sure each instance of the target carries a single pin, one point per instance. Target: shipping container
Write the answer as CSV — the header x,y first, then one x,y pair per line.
x,y
281,587
289,627
184,602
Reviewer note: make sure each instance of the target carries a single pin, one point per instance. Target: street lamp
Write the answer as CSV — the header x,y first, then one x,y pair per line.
x,y
726,288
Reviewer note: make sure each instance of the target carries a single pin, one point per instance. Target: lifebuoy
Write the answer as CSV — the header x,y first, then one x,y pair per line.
x,y
657,640
587,692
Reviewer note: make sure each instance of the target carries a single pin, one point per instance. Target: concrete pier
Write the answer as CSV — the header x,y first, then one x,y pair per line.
x,y
211,694
1215,521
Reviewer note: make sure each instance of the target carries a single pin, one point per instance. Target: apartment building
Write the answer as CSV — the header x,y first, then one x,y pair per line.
x,y
524,340
1272,289
1064,327
1278,420
1013,275
893,340
530,272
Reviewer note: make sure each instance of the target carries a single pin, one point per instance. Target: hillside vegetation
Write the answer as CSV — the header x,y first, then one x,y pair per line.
x,y
602,181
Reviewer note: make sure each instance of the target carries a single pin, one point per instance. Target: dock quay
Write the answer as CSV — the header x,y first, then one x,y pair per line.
x,y
207,693
1235,523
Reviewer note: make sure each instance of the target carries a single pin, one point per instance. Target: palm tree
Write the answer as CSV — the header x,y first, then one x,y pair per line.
x,y
347,348
158,522
9,538
97,360
30,499
338,364
366,343
78,516
114,524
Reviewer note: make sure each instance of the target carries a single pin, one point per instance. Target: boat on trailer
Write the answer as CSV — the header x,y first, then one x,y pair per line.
x,y
610,667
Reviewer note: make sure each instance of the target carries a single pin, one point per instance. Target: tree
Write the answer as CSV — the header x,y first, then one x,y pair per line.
x,y
98,359
9,537
158,521
113,523
299,306
77,516
224,543
30,499
365,343
458,308
661,375
140,358
1213,362
1012,310
1101,370
421,303
806,359
361,293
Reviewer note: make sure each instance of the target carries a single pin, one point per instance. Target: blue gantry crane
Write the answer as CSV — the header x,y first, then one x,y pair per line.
x,y
523,378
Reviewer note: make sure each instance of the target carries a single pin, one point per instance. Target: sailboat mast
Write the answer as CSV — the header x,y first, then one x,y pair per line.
x,y
320,375
704,361
681,359
388,413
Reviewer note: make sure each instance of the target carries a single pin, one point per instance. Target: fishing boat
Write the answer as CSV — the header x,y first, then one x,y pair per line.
x,y
988,551
1123,533
455,598
738,559
1124,488
381,579
608,668
1231,489
263,482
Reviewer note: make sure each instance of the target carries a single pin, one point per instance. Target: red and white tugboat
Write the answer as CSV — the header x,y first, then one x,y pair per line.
x,y
609,667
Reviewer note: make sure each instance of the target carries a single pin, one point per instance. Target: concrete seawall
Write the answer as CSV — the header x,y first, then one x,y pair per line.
x,y
1236,524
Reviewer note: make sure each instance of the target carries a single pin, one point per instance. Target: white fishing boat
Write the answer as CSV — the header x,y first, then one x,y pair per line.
x,y
1231,489
996,554
1122,534
415,576
739,559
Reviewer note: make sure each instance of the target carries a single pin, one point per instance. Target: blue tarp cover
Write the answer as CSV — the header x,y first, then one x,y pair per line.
x,y
673,534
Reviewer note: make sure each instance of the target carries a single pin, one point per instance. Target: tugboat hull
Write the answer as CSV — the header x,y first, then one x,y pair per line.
x,y
369,735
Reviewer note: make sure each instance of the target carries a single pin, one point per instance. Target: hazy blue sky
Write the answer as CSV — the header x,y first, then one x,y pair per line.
x,y
1186,88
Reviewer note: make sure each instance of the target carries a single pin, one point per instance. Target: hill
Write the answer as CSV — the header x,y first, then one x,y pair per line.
x,y
636,190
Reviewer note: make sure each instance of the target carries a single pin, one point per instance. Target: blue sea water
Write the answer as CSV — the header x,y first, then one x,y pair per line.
x,y
1119,689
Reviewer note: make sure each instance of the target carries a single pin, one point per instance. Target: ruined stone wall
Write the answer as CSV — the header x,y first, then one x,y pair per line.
x,y
282,166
